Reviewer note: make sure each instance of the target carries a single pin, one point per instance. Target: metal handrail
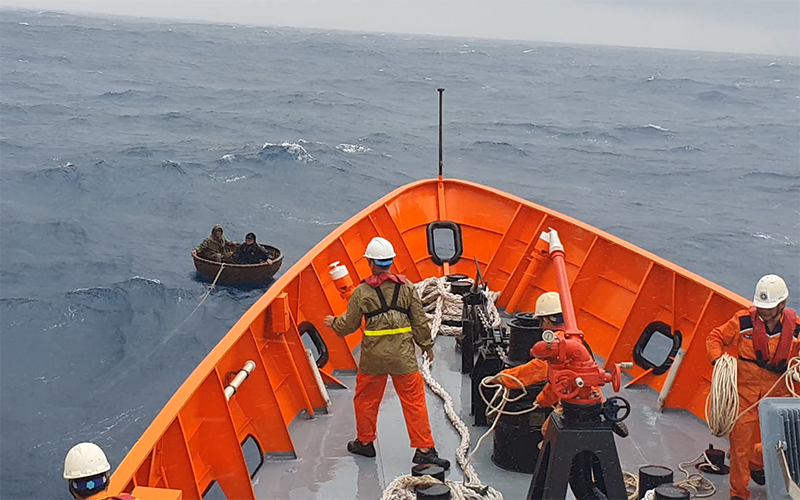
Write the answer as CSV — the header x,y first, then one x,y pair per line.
x,y
240,377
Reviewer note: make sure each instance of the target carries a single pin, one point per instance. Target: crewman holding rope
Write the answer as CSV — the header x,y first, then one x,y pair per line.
x,y
87,471
766,338
395,321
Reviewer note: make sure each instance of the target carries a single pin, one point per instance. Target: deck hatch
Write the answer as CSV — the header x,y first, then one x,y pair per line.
x,y
445,242
657,347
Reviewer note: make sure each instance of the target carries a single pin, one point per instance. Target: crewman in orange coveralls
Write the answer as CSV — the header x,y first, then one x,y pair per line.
x,y
766,338
395,321
87,472
548,309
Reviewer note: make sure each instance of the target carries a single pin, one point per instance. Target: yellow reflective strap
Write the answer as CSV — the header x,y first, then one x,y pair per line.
x,y
393,331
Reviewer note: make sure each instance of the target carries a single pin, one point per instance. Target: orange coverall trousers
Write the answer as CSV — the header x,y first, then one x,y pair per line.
x,y
411,391
753,384
745,438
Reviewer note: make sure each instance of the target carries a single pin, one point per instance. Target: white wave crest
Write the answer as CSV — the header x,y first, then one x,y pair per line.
x,y
287,215
657,127
235,178
296,150
777,238
228,158
151,280
352,148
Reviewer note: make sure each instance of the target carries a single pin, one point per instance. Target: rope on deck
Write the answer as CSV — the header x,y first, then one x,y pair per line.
x,y
447,305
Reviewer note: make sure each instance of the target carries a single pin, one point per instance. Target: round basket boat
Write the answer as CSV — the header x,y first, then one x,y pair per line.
x,y
238,274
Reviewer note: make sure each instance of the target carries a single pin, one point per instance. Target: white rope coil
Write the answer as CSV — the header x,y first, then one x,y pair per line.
x,y
722,403
443,305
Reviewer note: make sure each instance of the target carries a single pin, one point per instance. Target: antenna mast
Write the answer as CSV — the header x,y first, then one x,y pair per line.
x,y
441,96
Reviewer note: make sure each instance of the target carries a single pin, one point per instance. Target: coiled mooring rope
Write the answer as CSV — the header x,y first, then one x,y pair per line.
x,y
722,403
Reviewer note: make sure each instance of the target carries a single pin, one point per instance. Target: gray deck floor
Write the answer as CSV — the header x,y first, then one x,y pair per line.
x,y
324,469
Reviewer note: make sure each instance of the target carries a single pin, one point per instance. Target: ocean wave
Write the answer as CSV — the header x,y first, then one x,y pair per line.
x,y
173,165
65,174
774,176
295,151
353,148
599,152
717,96
780,239
377,137
686,148
650,128
138,152
288,215
500,146
150,280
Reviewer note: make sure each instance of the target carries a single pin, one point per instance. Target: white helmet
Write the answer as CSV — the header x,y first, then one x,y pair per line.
x,y
548,304
85,460
379,249
770,291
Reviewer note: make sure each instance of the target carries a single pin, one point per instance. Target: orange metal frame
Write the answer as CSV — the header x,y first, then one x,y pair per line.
x,y
617,289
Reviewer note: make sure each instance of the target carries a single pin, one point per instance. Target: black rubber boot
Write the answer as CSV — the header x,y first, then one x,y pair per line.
x,y
432,457
364,449
758,477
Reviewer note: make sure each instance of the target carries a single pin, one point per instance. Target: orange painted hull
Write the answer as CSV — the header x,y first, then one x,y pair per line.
x,y
617,289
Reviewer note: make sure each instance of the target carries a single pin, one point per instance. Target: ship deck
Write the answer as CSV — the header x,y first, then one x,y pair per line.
x,y
324,470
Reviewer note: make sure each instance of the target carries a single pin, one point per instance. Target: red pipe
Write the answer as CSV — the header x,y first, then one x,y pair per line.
x,y
567,309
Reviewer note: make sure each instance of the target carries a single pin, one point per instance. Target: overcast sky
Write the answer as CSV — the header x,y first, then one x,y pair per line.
x,y
752,26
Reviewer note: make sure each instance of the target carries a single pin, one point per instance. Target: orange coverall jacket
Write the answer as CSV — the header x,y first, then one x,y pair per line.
x,y
753,383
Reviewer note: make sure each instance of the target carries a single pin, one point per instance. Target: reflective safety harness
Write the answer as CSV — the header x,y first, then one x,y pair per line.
x,y
375,283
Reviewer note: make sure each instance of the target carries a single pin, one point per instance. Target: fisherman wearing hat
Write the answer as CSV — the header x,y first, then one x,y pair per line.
x,y
250,252
215,247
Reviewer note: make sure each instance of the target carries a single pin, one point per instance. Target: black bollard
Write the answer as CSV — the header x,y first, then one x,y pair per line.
x,y
717,458
524,333
428,470
460,287
435,492
671,492
651,476
526,319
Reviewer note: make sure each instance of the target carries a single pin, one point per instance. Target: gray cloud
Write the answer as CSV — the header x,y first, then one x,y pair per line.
x,y
757,26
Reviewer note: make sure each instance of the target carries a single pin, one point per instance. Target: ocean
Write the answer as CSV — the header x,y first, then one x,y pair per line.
x,y
123,141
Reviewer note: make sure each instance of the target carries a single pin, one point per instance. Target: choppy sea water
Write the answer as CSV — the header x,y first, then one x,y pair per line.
x,y
123,141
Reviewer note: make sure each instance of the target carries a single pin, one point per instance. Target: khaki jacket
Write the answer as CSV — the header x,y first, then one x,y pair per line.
x,y
387,353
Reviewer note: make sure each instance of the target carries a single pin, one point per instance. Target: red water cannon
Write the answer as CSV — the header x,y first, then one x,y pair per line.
x,y
574,375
